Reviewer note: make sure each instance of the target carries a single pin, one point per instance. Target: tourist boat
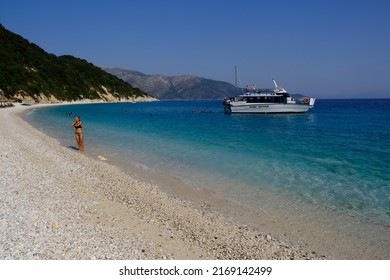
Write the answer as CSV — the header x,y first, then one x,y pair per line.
x,y
267,101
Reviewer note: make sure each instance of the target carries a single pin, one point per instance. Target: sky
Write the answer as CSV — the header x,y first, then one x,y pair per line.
x,y
325,49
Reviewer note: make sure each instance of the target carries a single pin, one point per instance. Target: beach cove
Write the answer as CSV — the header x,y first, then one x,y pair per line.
x,y
59,204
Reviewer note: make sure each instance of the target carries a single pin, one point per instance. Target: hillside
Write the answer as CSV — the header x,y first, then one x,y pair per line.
x,y
27,72
176,87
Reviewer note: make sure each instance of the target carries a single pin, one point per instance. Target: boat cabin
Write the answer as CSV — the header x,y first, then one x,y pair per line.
x,y
263,96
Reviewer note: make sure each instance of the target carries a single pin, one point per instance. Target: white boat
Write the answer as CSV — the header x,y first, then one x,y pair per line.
x,y
267,101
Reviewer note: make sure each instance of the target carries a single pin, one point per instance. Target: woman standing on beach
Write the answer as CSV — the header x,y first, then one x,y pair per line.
x,y
79,133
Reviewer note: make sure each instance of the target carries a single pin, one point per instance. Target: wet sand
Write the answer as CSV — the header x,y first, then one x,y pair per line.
x,y
60,204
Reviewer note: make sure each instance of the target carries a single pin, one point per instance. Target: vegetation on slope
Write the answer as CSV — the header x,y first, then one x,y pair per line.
x,y
27,70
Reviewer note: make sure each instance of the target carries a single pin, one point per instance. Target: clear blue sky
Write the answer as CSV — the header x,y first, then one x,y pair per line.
x,y
327,49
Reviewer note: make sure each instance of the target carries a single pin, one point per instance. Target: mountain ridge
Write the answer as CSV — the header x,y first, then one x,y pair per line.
x,y
181,87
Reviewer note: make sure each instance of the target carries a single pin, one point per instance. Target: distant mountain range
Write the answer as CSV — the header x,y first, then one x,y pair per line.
x,y
176,87
28,73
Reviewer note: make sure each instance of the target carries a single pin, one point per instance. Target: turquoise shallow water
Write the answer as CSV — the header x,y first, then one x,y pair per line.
x,y
336,156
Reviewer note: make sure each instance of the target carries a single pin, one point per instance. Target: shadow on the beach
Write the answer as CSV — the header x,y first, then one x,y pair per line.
x,y
73,148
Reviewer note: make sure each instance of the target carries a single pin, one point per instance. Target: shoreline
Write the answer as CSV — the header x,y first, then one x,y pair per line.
x,y
200,221
59,204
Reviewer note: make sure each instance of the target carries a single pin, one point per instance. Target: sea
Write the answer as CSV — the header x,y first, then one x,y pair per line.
x,y
335,157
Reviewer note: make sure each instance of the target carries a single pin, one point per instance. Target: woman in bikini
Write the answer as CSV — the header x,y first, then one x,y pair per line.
x,y
79,133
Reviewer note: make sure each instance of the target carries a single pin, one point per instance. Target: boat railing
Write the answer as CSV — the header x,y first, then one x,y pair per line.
x,y
260,90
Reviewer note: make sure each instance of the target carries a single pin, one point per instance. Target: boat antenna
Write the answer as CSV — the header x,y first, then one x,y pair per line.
x,y
237,80
235,74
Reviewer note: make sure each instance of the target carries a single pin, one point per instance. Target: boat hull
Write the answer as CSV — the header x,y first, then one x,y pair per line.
x,y
265,108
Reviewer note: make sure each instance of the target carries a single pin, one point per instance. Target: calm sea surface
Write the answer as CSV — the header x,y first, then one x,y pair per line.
x,y
335,156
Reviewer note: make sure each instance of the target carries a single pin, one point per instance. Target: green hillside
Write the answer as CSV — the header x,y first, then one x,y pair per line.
x,y
27,70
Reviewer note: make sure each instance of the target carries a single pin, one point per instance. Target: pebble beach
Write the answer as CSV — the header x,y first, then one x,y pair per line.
x,y
59,204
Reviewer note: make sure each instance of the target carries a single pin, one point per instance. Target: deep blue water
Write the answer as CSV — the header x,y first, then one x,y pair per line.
x,y
337,155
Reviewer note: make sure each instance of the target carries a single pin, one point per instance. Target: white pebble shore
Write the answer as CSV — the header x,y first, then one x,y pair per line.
x,y
59,204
